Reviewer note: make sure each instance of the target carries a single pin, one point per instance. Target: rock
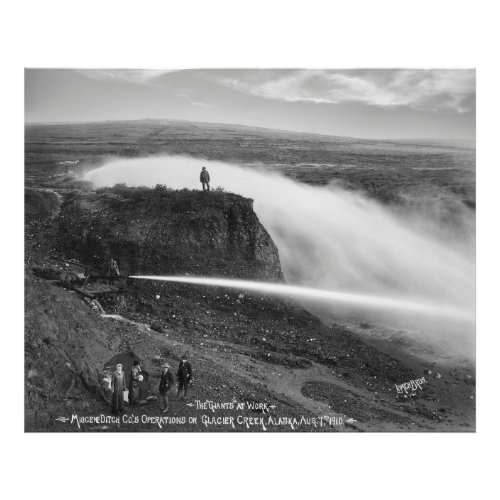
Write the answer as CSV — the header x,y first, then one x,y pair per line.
x,y
225,237
157,327
438,375
71,338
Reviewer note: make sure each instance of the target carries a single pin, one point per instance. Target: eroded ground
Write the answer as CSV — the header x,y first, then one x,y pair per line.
x,y
246,349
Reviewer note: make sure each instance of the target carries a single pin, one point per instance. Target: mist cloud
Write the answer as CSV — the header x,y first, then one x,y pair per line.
x,y
327,238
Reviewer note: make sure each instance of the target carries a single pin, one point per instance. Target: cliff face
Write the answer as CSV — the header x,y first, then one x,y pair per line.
x,y
159,231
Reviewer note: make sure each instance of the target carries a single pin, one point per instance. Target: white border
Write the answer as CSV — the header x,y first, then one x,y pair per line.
x,y
251,34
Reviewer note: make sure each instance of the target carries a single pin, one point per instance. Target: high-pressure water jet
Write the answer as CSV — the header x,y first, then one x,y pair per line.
x,y
353,299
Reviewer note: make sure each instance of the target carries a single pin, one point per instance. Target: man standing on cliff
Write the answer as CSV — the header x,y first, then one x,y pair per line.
x,y
205,179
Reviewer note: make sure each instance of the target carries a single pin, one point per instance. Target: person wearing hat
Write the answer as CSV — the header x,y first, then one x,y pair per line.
x,y
166,382
184,376
118,386
205,179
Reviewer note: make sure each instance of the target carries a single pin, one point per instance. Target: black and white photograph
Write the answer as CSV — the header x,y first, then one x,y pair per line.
x,y
246,250
249,249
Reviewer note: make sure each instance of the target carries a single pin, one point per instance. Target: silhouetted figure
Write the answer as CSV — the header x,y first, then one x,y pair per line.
x,y
118,386
184,376
113,267
166,382
205,179
133,387
143,388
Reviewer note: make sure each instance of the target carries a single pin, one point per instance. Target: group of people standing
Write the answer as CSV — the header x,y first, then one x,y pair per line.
x,y
135,386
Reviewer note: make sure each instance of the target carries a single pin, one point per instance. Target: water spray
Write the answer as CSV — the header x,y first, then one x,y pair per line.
x,y
319,295
349,257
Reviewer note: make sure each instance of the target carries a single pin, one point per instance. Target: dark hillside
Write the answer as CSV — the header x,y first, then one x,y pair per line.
x,y
158,231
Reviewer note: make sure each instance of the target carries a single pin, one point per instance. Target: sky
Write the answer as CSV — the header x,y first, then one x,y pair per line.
x,y
365,103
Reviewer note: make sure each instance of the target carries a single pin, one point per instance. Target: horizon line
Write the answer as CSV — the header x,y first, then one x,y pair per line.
x,y
83,122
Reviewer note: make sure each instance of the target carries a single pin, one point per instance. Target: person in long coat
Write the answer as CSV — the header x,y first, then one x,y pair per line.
x,y
184,376
118,386
166,382
205,179
133,386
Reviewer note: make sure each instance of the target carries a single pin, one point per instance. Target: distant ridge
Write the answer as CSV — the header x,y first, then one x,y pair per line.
x,y
447,142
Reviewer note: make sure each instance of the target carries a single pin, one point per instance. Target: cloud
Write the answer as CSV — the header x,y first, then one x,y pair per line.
x,y
431,90
442,90
138,76
193,102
